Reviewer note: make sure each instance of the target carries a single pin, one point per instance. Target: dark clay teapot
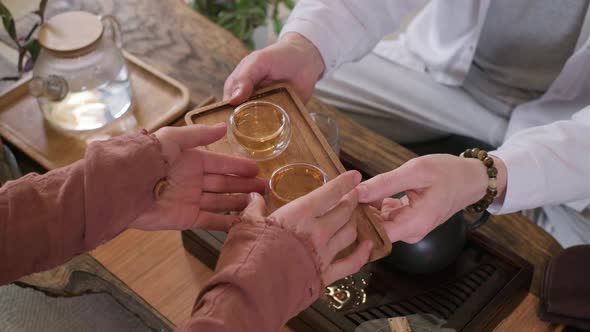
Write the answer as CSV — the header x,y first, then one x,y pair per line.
x,y
437,250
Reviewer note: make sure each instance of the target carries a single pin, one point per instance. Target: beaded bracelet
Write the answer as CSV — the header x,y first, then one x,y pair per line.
x,y
492,190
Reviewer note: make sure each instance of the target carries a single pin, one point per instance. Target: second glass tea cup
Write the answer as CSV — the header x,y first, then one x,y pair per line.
x,y
329,128
292,181
260,130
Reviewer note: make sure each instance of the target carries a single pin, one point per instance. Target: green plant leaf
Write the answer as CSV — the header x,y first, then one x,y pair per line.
x,y
33,47
8,22
257,12
275,10
277,24
242,29
225,18
242,17
244,4
41,11
289,4
249,43
42,6
233,26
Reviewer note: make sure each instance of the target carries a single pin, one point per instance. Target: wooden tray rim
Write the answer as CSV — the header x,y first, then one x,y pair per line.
x,y
15,137
386,245
184,92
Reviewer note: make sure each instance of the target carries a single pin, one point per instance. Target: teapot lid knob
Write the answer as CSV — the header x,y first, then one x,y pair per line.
x,y
71,33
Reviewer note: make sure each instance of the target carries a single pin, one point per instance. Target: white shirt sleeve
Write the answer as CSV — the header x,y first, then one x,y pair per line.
x,y
346,30
546,165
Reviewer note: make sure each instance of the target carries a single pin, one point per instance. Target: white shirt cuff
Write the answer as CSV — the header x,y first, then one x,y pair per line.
x,y
525,181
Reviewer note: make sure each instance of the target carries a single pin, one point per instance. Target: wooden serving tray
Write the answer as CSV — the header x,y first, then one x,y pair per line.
x,y
307,145
157,101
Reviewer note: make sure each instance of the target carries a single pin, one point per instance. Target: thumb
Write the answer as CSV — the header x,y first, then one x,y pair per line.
x,y
404,178
256,209
247,76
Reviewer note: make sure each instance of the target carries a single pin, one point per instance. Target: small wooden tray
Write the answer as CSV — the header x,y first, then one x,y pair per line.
x,y
157,101
307,145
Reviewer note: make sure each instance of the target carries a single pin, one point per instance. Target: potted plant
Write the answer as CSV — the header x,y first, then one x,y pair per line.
x,y
27,46
243,17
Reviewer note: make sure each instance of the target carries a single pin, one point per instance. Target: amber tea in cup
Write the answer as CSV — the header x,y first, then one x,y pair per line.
x,y
261,129
292,181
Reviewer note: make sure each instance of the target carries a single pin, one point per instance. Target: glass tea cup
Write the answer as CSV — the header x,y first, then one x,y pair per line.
x,y
329,129
292,181
260,130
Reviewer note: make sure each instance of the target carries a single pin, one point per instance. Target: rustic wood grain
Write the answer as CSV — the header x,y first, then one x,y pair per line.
x,y
516,232
524,318
399,324
193,50
172,37
156,266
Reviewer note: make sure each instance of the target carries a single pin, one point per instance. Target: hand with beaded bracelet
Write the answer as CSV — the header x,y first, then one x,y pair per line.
x,y
492,172
436,187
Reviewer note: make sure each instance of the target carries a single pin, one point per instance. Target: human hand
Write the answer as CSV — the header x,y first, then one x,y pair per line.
x,y
198,182
436,187
324,217
293,59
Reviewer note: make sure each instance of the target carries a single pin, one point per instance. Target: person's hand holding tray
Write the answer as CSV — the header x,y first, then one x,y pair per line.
x,y
290,145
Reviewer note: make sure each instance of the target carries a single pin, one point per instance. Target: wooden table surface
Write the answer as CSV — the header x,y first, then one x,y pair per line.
x,y
183,44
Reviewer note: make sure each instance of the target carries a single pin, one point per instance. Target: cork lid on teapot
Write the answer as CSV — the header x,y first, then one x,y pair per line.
x,y
71,34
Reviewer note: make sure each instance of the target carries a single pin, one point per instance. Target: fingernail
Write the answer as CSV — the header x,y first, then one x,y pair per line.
x,y
370,245
219,125
357,177
236,92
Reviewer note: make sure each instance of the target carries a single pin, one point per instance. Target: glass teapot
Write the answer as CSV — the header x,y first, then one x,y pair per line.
x,y
80,78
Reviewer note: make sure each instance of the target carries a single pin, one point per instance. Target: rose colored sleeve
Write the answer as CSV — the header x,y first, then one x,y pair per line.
x,y
47,219
265,276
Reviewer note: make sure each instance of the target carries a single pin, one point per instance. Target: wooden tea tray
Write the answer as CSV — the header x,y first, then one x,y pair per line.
x,y
307,145
474,294
157,101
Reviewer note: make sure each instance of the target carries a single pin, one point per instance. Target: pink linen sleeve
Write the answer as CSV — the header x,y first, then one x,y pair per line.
x,y
47,219
265,276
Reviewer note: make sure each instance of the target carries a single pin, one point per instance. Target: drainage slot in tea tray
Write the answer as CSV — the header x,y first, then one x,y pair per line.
x,y
443,301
